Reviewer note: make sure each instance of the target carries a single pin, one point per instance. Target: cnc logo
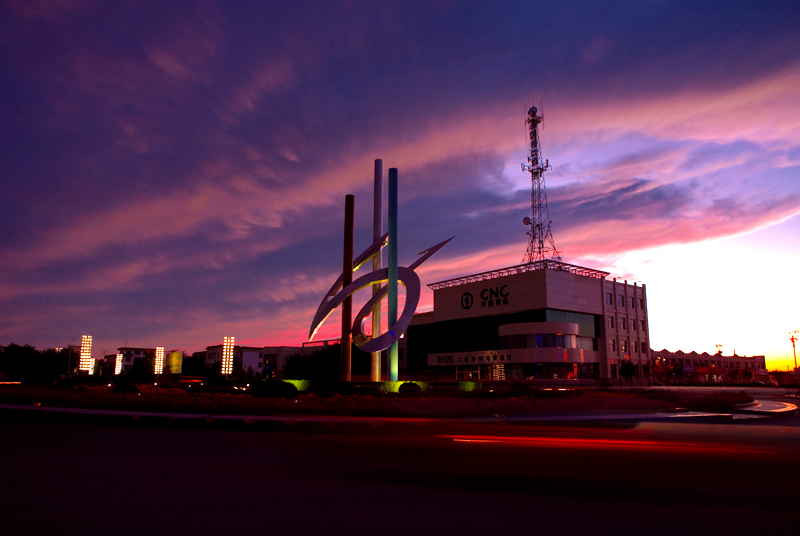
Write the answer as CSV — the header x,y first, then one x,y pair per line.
x,y
494,296
466,300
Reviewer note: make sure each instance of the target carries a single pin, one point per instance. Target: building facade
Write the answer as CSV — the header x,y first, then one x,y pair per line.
x,y
712,368
251,357
543,320
130,355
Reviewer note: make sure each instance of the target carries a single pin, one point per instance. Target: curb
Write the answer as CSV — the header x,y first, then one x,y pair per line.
x,y
770,409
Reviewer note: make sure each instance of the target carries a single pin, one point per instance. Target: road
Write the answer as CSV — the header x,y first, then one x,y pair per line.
x,y
649,478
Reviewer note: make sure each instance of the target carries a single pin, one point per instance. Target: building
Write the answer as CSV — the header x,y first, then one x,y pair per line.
x,y
708,368
130,355
542,320
275,356
251,357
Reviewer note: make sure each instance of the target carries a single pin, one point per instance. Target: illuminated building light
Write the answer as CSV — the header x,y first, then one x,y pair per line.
x,y
85,362
118,365
227,355
159,367
498,371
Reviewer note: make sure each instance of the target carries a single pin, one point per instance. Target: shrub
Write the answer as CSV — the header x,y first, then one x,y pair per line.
x,y
409,387
125,387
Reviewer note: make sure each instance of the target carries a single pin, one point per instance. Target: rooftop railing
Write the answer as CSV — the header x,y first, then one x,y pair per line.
x,y
520,269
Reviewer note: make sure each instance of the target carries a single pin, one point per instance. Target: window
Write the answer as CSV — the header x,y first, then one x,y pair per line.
x,y
630,302
623,323
609,299
621,301
643,347
643,325
635,347
624,345
641,303
611,322
613,345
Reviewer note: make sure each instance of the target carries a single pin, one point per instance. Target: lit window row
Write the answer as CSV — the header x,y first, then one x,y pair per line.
x,y
85,362
635,324
711,364
637,347
632,302
159,367
227,355
118,365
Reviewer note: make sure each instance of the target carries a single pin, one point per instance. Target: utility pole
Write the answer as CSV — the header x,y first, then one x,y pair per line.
x,y
793,336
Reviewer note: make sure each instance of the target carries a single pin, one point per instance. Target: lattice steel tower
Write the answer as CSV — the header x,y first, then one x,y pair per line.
x,y
541,246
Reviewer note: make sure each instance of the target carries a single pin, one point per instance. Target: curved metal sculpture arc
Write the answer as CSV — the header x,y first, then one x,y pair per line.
x,y
410,280
359,261
375,344
365,255
407,277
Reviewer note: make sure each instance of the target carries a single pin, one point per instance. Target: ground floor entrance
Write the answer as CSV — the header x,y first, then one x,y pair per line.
x,y
528,371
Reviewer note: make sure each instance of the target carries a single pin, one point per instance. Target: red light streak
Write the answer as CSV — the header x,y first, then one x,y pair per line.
x,y
608,444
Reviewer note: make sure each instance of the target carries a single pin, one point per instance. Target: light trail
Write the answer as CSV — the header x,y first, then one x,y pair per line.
x,y
607,444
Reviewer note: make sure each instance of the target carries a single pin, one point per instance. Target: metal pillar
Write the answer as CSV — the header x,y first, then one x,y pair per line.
x,y
347,278
392,360
377,232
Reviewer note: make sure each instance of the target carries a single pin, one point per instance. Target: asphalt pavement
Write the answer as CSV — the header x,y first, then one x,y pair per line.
x,y
76,474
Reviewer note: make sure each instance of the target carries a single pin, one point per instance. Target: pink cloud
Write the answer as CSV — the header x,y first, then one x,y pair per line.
x,y
48,9
269,78
189,44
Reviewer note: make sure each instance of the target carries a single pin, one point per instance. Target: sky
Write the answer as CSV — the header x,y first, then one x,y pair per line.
x,y
175,172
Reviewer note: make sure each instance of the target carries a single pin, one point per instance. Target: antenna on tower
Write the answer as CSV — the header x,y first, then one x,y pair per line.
x,y
541,246
541,107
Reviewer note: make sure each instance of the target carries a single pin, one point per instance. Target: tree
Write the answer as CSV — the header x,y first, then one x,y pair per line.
x,y
628,370
194,365
142,369
29,364
676,373
214,371
734,375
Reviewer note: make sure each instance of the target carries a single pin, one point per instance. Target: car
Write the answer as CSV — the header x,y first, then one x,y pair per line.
x,y
758,384
772,383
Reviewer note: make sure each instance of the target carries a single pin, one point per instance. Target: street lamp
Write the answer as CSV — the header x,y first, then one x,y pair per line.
x,y
793,337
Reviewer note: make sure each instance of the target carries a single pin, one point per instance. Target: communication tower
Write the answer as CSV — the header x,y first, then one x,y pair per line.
x,y
541,246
